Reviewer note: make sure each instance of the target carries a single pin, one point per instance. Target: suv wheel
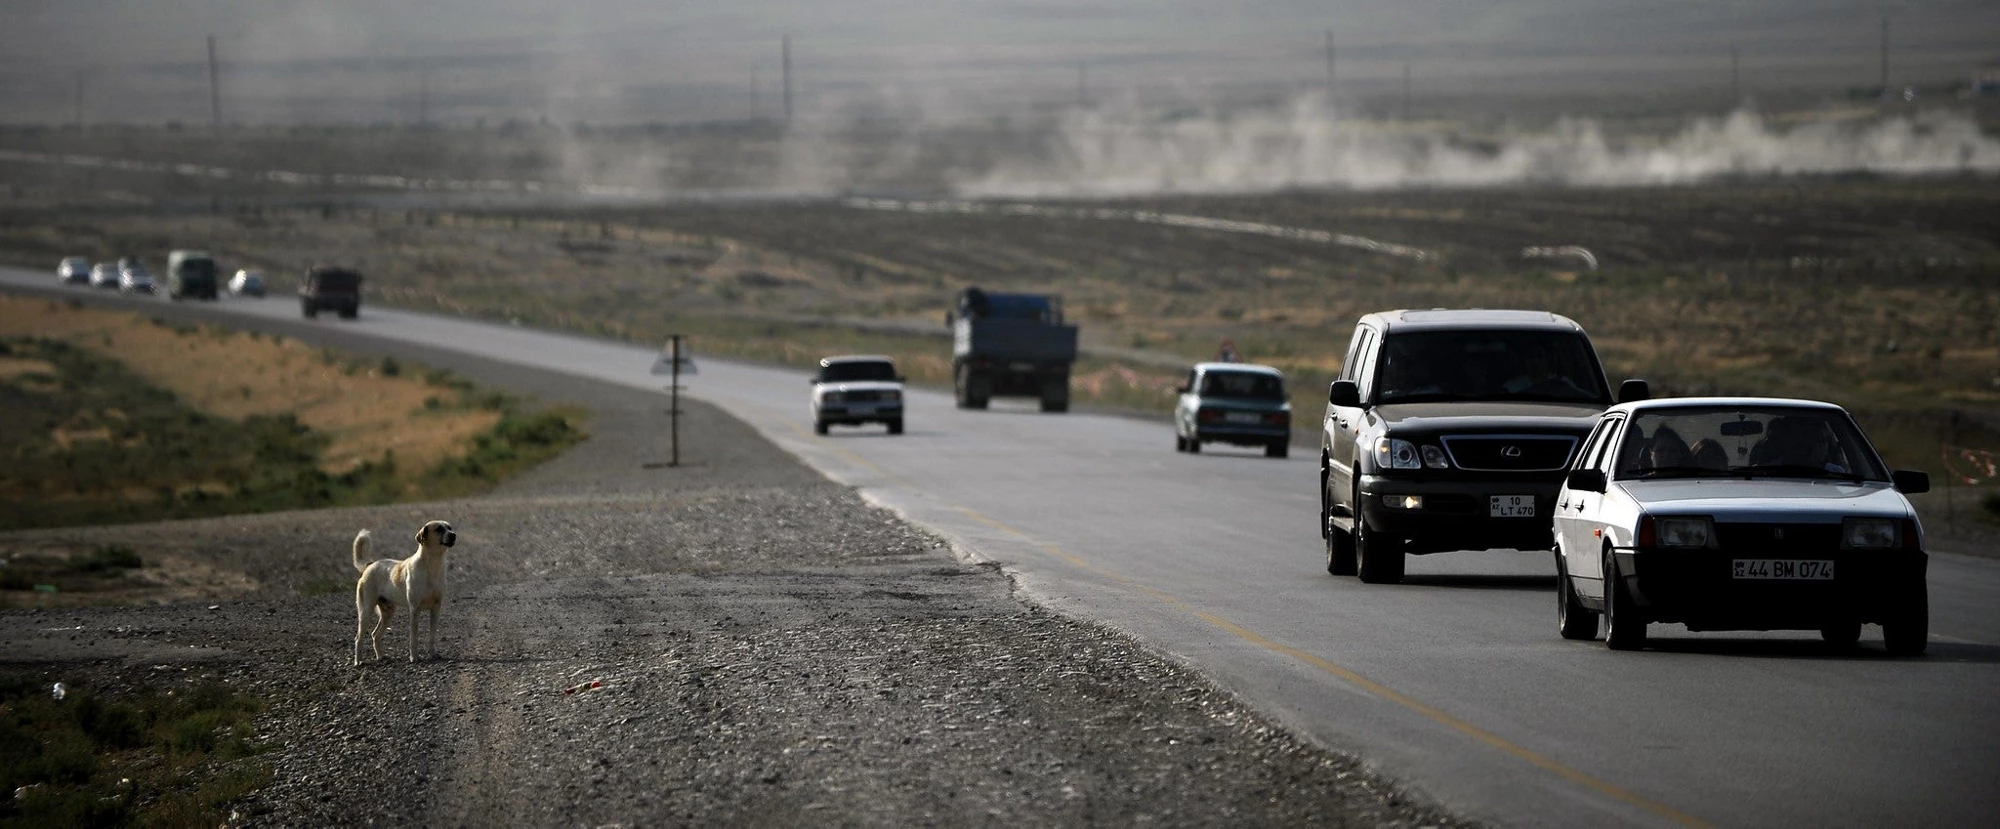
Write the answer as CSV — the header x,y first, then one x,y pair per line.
x,y
1574,620
1339,550
1624,628
1378,558
896,426
819,427
1180,443
1277,450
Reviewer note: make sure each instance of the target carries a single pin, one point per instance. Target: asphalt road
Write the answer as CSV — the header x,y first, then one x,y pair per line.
x,y
1455,682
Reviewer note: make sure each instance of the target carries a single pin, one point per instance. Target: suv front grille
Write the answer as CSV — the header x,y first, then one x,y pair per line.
x,y
1510,453
861,396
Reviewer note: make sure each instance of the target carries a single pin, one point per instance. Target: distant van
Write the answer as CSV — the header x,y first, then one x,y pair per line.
x,y
191,274
331,289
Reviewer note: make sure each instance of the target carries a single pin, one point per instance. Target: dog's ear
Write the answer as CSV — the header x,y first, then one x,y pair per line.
x,y
422,531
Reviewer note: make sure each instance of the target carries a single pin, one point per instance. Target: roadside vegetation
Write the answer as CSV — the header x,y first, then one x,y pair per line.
x,y
139,756
126,419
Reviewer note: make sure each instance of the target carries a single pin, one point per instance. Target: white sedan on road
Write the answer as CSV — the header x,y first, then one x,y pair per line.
x,y
856,389
1738,514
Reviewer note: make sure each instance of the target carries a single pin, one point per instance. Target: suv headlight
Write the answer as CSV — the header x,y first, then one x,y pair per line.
x,y
1392,453
1434,457
1678,531
830,397
1869,534
892,396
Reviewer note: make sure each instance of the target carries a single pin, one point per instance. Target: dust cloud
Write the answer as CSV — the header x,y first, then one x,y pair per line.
x,y
1123,151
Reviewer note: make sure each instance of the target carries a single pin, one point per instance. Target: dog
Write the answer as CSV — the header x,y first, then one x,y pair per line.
x,y
415,583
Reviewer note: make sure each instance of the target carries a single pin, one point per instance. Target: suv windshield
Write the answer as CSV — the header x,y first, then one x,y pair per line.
x,y
1768,441
1254,385
1536,366
858,371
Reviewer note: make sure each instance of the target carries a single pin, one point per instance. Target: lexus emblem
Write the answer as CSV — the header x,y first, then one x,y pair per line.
x,y
1510,451
1778,532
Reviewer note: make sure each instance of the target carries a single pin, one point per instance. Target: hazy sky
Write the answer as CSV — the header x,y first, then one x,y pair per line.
x,y
603,59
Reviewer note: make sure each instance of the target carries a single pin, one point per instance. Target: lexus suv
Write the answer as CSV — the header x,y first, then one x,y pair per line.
x,y
1452,430
856,389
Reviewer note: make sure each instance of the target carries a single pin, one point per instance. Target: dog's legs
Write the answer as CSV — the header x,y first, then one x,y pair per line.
x,y
434,628
416,615
360,623
383,613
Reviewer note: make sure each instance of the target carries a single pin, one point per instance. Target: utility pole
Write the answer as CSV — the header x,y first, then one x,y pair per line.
x,y
214,94
788,78
1329,61
1885,54
1082,85
1406,90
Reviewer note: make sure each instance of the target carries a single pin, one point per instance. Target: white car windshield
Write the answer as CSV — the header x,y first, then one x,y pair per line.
x,y
1746,442
850,372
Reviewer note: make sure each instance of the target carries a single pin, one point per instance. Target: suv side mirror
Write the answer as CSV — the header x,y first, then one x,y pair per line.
x,y
1587,480
1343,393
1910,481
1632,391
1182,388
899,379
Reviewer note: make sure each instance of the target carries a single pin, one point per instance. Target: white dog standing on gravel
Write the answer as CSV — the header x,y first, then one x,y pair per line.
x,y
414,583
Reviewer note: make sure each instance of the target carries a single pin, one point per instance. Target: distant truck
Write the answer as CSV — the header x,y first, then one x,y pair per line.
x,y
331,289
191,274
1010,345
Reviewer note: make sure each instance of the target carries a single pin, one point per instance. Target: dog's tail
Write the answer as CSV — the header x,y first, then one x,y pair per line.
x,y
361,557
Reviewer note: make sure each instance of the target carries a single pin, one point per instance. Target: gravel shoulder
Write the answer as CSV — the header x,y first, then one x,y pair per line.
x,y
770,649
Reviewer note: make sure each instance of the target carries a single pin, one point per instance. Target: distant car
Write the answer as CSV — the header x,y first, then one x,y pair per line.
x,y
74,270
104,275
856,389
135,279
1236,403
247,283
1738,514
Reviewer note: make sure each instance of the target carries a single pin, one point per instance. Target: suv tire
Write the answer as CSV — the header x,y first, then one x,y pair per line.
x,y
1378,558
896,426
1339,551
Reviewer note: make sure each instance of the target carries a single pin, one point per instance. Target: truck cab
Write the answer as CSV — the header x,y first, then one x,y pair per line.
x,y
1451,430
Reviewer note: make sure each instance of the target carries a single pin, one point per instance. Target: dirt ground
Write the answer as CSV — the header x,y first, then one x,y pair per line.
x,y
758,647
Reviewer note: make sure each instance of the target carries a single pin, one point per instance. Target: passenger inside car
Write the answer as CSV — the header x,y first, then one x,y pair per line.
x,y
1708,454
1666,451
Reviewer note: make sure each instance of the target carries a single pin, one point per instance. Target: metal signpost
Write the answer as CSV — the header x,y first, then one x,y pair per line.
x,y
672,362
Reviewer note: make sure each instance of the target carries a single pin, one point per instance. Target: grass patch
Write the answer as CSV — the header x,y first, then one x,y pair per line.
x,y
103,444
144,757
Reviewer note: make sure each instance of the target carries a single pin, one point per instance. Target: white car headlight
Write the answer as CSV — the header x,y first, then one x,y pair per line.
x,y
1686,532
1391,453
830,397
1869,534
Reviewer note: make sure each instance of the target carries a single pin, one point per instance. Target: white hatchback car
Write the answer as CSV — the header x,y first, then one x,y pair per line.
x,y
857,389
1738,514
247,283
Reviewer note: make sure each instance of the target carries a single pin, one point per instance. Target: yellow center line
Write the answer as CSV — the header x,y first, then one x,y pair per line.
x,y
1462,726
